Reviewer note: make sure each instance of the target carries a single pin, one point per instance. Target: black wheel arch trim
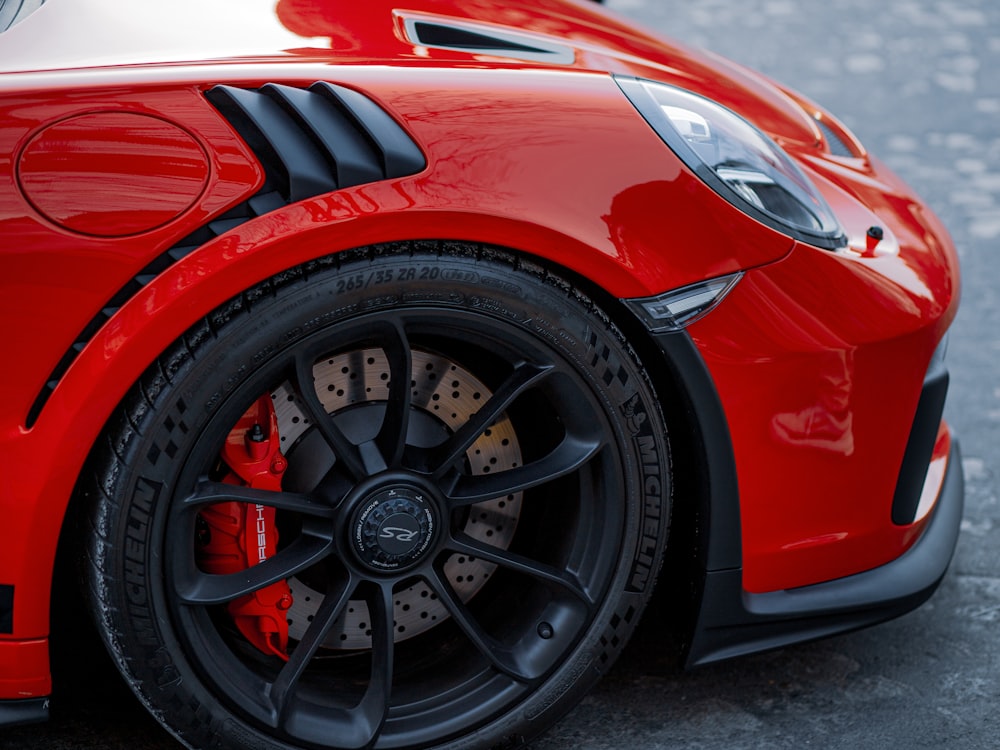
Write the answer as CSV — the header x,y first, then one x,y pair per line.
x,y
716,483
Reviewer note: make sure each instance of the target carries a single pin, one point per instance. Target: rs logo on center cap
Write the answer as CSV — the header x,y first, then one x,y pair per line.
x,y
393,528
394,532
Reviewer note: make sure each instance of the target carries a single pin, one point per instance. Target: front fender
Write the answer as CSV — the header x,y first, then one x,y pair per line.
x,y
553,165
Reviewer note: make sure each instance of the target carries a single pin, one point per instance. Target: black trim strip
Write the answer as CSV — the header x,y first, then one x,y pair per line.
x,y
718,489
6,609
489,40
920,446
30,711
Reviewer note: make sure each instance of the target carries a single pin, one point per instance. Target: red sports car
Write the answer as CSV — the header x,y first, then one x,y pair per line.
x,y
362,354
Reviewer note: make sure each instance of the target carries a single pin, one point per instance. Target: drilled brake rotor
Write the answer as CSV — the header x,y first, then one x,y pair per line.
x,y
445,396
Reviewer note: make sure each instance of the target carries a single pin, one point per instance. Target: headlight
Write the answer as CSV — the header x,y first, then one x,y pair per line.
x,y
736,160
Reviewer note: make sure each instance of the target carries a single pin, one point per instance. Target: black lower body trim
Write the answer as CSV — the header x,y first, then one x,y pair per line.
x,y
6,609
920,446
732,622
31,711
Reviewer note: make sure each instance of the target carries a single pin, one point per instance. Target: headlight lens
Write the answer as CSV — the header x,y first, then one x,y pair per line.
x,y
736,160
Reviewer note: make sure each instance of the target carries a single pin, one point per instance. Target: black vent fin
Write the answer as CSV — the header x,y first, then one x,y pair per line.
x,y
224,225
316,141
355,159
289,155
264,203
399,154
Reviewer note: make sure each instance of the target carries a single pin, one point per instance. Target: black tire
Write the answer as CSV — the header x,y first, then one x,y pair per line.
x,y
490,662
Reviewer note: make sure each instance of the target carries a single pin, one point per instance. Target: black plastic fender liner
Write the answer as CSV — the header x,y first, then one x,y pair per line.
x,y
719,515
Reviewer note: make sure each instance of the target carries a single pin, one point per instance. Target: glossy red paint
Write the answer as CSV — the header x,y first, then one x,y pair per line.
x,y
79,275
819,360
112,174
577,220
24,669
818,357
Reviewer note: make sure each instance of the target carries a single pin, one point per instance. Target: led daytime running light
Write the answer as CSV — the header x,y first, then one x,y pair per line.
x,y
679,308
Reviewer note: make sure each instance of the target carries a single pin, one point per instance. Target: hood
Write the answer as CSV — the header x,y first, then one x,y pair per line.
x,y
575,34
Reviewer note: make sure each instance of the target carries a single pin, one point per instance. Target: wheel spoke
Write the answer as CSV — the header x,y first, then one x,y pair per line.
x,y
333,605
524,376
344,450
195,587
465,544
501,657
571,454
391,438
373,710
208,492
358,727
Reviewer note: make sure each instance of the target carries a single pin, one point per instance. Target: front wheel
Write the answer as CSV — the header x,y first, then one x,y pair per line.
x,y
389,499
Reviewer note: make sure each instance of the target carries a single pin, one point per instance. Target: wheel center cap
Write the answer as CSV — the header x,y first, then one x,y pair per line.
x,y
393,528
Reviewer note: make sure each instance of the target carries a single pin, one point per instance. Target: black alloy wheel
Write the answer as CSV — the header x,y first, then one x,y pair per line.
x,y
473,503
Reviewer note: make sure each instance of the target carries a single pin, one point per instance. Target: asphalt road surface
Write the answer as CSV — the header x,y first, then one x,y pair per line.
x,y
919,82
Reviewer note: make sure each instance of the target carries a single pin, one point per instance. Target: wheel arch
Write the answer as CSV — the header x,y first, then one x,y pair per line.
x,y
131,342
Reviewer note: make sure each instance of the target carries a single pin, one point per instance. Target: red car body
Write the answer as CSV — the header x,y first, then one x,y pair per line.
x,y
810,396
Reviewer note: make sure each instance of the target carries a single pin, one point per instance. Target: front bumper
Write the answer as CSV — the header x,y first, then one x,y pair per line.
x,y
732,622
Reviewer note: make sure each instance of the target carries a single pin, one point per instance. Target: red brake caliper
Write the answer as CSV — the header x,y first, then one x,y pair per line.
x,y
240,535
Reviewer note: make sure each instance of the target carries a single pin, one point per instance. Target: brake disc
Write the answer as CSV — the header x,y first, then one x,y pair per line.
x,y
445,396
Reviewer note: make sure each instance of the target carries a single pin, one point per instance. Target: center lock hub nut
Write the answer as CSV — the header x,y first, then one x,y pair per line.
x,y
393,528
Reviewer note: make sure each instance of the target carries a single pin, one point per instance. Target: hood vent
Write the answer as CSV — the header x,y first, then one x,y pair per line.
x,y
486,40
834,143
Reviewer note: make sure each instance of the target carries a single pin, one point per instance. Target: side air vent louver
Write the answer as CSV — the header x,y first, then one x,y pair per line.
x,y
312,142
834,143
467,37
309,142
